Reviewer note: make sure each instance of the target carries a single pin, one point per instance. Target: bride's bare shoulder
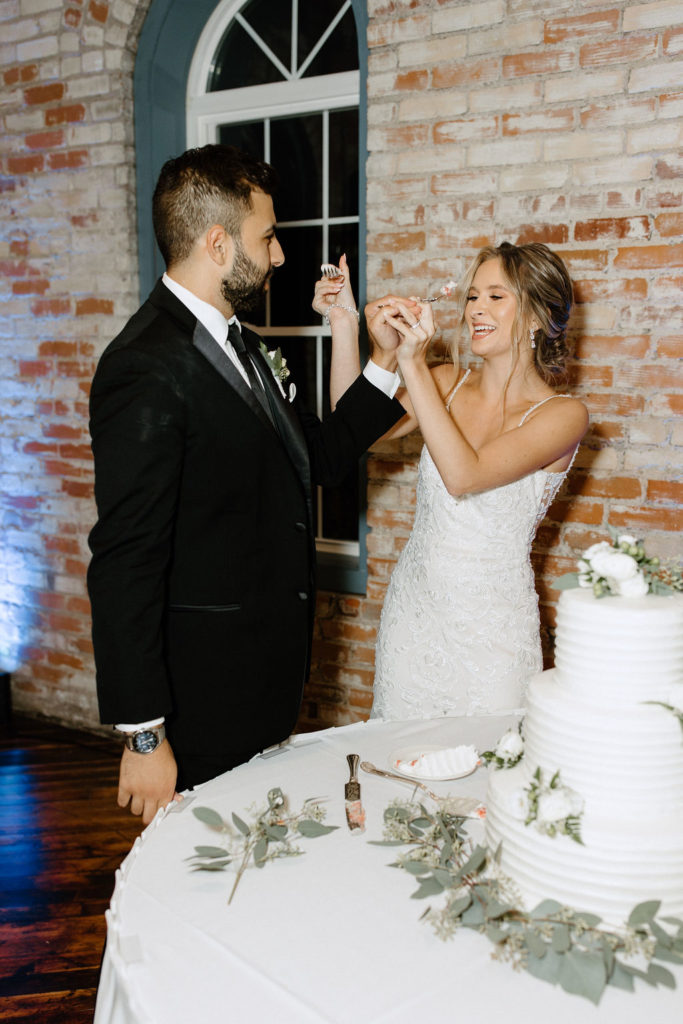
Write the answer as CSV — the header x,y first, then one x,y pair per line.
x,y
446,376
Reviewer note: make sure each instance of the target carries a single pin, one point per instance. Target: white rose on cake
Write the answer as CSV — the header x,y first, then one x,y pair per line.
x,y
510,745
554,805
518,804
634,586
590,553
614,565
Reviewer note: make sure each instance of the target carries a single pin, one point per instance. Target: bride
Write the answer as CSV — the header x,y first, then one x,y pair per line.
x,y
459,631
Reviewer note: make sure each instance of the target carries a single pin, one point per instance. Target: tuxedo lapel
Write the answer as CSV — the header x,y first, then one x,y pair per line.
x,y
285,417
209,347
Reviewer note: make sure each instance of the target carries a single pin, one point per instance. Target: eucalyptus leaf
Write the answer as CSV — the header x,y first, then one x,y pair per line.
x,y
416,867
567,581
495,934
311,829
276,832
643,913
608,956
211,865
546,908
583,974
663,937
663,952
547,968
457,906
443,876
211,851
661,976
209,817
619,978
260,852
428,887
561,940
590,919
474,915
535,943
494,908
477,859
241,825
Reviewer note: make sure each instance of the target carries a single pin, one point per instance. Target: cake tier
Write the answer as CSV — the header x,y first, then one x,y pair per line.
x,y
624,760
617,649
623,861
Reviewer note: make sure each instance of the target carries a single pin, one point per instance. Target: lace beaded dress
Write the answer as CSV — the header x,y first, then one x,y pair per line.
x,y
459,632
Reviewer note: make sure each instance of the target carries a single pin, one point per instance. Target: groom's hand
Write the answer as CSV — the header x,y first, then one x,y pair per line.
x,y
385,338
148,781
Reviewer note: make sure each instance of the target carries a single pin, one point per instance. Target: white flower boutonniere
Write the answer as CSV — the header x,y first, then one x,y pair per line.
x,y
276,361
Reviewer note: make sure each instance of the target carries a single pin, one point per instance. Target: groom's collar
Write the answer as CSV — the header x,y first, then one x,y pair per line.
x,y
214,321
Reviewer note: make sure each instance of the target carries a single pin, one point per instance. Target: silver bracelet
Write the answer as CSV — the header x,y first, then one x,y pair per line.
x,y
340,305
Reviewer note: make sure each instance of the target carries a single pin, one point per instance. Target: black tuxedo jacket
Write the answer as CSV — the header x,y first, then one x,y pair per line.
x,y
202,573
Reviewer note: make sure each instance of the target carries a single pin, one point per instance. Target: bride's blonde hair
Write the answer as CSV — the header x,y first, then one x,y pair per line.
x,y
543,289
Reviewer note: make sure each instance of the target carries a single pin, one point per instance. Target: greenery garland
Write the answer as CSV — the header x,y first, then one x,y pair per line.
x,y
552,942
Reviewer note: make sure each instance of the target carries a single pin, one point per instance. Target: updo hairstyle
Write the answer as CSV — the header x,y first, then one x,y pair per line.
x,y
539,281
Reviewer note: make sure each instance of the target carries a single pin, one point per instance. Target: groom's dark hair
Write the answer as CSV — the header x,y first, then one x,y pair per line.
x,y
202,187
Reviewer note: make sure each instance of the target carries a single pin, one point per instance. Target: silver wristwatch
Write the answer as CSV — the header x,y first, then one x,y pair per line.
x,y
144,741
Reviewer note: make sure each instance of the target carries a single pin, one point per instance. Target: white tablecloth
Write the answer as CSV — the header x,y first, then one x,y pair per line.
x,y
331,936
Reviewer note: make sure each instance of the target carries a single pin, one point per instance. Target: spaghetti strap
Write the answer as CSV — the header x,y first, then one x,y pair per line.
x,y
538,406
453,392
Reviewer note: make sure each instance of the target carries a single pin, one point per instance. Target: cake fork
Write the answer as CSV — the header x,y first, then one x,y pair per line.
x,y
372,770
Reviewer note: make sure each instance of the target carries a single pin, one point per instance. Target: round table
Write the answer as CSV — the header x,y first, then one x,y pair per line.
x,y
330,936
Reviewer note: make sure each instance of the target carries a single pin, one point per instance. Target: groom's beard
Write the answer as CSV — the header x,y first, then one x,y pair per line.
x,y
244,286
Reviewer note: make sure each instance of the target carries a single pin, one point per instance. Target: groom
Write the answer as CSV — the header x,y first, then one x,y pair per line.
x,y
202,579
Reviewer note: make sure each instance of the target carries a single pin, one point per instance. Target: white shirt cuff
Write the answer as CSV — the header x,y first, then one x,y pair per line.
x,y
385,380
127,727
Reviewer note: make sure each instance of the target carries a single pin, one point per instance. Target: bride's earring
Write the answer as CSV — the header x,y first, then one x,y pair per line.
x,y
531,337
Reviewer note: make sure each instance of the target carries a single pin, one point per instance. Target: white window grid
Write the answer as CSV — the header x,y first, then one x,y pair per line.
x,y
207,112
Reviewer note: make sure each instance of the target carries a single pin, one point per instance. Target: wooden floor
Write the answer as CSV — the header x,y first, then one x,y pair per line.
x,y
61,839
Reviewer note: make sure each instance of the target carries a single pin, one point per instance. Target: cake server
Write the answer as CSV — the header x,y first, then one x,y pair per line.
x,y
355,815
463,806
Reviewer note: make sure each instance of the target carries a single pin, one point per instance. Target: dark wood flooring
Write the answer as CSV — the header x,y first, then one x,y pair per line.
x,y
61,839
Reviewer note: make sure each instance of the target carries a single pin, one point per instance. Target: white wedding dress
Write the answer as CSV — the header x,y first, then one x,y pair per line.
x,y
459,631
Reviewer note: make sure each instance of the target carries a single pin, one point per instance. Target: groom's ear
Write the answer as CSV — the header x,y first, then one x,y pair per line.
x,y
219,246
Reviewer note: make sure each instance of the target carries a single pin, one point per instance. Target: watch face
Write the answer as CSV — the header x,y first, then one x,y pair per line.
x,y
145,742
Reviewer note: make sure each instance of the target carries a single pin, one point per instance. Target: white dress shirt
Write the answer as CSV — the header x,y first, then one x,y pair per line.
x,y
217,326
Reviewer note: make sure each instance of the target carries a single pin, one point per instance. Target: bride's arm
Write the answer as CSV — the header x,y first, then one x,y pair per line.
x,y
334,300
545,438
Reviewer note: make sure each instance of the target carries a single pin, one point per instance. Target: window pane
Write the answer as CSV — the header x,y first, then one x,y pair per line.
x,y
240,62
296,149
292,284
272,19
343,163
339,53
248,137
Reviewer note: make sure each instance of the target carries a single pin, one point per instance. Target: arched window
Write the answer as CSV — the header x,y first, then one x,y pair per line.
x,y
282,79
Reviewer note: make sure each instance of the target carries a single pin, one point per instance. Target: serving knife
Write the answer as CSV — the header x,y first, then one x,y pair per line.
x,y
355,814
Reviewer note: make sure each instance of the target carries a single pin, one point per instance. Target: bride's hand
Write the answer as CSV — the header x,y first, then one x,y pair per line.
x,y
382,333
331,291
414,325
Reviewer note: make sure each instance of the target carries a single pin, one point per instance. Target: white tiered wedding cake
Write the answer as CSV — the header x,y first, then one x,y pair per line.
x,y
602,770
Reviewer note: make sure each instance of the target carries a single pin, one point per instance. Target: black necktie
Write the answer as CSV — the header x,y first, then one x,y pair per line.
x,y
237,341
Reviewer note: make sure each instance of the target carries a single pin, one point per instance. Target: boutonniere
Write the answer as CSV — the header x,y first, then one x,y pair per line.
x,y
276,362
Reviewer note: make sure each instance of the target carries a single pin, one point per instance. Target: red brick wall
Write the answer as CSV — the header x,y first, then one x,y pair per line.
x,y
528,120
488,120
68,280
